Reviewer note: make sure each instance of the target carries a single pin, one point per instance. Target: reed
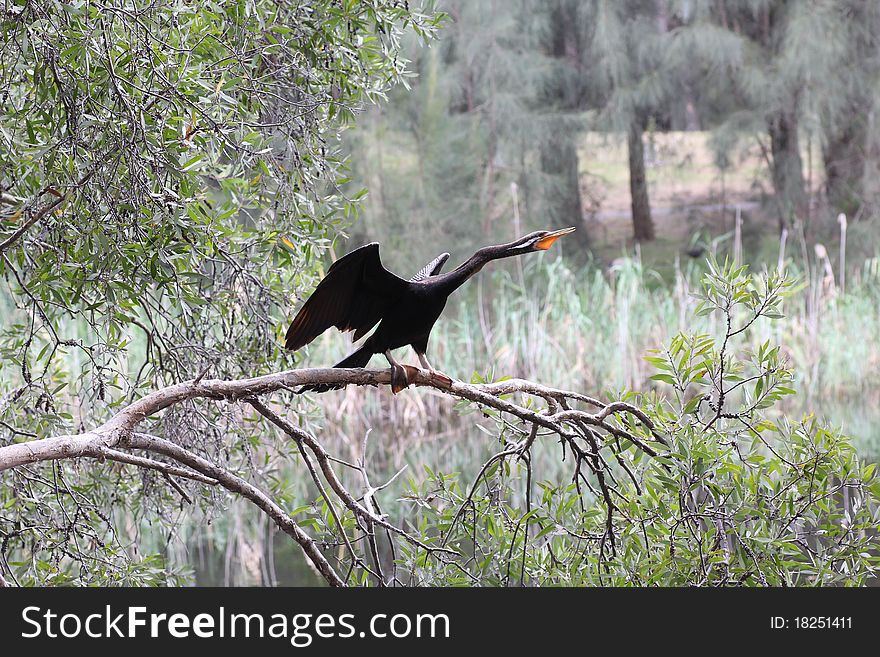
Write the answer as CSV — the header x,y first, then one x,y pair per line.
x,y
589,329
579,328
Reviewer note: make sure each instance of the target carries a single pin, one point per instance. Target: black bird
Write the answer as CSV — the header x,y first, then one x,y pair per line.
x,y
358,292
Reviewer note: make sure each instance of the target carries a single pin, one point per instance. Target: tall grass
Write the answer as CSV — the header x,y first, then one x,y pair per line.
x,y
586,329
589,330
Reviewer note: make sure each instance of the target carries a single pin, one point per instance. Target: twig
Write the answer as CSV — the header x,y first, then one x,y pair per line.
x,y
43,211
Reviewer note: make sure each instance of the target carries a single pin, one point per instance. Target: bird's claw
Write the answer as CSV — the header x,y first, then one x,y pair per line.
x,y
440,377
402,377
399,378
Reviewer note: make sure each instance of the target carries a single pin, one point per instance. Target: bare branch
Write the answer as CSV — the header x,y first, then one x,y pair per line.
x,y
164,468
59,198
238,485
120,433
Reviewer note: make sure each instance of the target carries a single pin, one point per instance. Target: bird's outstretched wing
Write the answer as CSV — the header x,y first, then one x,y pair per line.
x,y
431,269
352,297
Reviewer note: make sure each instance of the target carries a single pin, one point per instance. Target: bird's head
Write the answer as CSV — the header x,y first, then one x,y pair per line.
x,y
537,241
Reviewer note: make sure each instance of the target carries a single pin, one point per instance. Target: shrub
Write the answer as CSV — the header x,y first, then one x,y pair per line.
x,y
739,495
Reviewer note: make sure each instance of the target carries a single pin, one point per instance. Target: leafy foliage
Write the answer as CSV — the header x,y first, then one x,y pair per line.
x,y
743,496
171,175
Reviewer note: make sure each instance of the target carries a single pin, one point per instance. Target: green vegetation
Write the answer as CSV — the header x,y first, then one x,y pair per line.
x,y
791,460
173,180
738,498
152,158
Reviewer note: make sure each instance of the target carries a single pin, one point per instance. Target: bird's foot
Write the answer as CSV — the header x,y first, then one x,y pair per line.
x,y
440,377
402,376
399,378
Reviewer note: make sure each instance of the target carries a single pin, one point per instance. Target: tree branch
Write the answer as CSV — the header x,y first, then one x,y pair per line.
x,y
119,433
238,485
41,212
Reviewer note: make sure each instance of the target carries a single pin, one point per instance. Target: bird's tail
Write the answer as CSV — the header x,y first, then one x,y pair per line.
x,y
359,358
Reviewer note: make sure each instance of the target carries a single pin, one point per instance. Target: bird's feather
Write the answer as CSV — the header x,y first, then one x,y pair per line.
x,y
352,297
431,269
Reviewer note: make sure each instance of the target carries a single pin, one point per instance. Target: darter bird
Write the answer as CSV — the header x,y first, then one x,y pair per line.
x,y
358,292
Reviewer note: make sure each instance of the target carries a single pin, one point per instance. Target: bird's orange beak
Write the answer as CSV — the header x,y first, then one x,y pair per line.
x,y
547,241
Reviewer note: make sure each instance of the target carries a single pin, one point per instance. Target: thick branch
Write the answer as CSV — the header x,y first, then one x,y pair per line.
x,y
125,421
238,485
119,432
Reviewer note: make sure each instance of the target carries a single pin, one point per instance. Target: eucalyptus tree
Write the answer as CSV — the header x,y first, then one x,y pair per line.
x,y
639,82
167,175
776,70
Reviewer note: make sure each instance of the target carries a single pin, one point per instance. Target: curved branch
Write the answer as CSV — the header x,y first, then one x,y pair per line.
x,y
164,468
238,485
119,432
125,421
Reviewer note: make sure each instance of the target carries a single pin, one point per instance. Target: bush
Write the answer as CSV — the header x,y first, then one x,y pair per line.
x,y
739,495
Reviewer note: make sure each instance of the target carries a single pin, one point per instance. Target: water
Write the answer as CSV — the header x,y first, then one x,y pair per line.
x,y
860,419
289,566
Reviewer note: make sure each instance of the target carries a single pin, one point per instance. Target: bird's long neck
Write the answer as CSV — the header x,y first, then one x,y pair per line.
x,y
454,279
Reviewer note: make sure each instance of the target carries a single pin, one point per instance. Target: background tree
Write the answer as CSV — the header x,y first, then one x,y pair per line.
x,y
172,177
628,51
561,98
782,66
496,101
844,83
511,93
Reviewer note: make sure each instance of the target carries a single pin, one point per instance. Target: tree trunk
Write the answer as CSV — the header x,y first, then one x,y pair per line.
x,y
643,224
844,159
788,174
562,193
